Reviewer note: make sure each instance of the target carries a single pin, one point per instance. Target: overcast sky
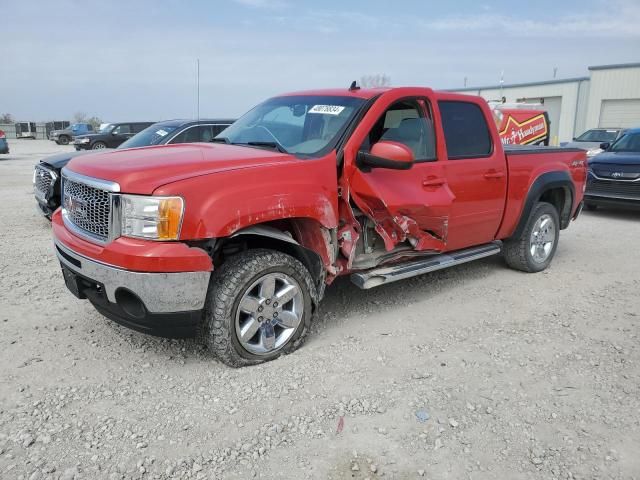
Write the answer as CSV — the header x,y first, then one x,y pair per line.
x,y
135,59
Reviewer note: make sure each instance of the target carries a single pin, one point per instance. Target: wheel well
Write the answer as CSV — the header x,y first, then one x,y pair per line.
x,y
222,249
560,198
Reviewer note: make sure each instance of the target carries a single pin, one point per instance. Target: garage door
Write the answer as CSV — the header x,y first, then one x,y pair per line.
x,y
620,113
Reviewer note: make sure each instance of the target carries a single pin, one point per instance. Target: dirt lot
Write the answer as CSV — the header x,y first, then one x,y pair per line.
x,y
478,372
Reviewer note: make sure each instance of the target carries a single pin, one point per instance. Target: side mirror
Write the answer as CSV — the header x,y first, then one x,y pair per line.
x,y
386,154
114,133
605,145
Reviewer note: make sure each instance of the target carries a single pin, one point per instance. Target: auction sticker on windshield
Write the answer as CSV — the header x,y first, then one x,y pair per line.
x,y
162,133
327,109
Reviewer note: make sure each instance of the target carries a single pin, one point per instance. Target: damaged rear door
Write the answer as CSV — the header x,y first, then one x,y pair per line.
x,y
406,205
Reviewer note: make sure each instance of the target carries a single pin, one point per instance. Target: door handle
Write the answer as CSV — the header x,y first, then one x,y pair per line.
x,y
493,174
433,182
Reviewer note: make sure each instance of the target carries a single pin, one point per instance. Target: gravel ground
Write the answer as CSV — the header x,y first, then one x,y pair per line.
x,y
476,372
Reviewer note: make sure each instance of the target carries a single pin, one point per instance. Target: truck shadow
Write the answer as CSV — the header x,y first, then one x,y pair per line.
x,y
628,214
343,299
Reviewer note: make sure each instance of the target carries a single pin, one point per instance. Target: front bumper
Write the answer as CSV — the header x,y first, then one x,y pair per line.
x,y
82,146
163,304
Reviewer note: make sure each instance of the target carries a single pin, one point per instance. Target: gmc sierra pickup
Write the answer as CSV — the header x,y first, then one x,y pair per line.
x,y
236,240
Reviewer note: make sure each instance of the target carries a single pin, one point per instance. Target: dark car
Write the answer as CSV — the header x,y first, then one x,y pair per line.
x,y
46,176
110,136
591,139
614,175
65,136
4,145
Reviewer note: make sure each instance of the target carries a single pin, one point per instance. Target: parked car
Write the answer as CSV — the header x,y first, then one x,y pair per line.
x,y
46,177
4,144
64,137
591,139
238,239
110,136
614,174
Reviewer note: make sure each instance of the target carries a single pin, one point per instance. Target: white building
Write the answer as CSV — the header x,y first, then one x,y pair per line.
x,y
608,97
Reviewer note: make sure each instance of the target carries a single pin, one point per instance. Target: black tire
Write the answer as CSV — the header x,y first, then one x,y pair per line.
x,y
517,251
226,289
63,140
591,207
98,146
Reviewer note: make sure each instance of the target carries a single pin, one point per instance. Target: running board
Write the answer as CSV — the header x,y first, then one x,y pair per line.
x,y
380,276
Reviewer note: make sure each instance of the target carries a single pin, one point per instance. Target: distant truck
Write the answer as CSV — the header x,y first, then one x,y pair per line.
x,y
64,137
521,123
235,241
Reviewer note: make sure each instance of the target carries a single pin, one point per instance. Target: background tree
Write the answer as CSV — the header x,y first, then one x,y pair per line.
x,y
6,118
82,117
373,81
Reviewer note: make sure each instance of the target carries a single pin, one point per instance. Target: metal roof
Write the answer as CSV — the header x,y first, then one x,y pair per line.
x,y
527,84
615,65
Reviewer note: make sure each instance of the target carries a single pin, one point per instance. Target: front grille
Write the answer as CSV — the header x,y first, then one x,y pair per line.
x,y
610,188
88,208
44,182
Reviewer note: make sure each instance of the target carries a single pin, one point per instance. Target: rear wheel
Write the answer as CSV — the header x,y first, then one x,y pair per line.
x,y
259,306
63,140
99,146
536,246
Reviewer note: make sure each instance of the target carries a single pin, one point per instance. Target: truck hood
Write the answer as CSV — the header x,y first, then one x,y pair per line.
x,y
61,159
142,170
616,158
583,145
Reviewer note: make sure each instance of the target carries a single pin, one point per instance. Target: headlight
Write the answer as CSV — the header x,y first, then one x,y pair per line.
x,y
35,172
83,140
593,151
154,218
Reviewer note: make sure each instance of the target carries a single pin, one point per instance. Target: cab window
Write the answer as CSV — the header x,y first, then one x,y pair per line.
x,y
466,132
405,122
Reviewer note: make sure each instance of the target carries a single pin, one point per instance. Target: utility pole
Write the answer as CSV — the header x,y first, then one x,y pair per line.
x,y
198,89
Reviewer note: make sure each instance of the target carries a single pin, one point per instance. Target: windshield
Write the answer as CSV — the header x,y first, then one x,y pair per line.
x,y
627,143
300,125
107,128
153,135
598,136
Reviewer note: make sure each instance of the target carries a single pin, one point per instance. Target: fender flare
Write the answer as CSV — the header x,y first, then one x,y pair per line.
x,y
548,181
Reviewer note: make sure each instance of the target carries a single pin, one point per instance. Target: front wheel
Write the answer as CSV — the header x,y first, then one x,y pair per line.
x,y
63,140
99,146
259,306
536,246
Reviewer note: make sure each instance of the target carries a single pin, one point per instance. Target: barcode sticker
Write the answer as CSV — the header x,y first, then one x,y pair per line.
x,y
327,109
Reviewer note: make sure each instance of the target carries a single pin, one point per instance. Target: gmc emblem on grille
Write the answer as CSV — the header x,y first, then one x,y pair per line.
x,y
616,174
75,207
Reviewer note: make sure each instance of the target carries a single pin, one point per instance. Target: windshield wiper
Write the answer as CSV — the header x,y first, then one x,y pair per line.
x,y
274,145
221,140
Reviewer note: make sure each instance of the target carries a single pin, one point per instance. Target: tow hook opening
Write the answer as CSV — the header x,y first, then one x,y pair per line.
x,y
130,303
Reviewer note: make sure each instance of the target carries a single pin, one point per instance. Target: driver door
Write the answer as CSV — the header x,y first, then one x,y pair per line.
x,y
411,205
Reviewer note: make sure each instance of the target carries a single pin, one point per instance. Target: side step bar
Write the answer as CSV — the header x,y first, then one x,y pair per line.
x,y
380,276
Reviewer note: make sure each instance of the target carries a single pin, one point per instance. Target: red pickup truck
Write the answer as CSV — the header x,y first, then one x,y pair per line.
x,y
236,240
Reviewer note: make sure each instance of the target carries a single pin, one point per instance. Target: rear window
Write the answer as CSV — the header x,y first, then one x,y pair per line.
x,y
466,131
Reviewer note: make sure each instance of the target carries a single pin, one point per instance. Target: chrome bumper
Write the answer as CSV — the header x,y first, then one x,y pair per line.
x,y
160,292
